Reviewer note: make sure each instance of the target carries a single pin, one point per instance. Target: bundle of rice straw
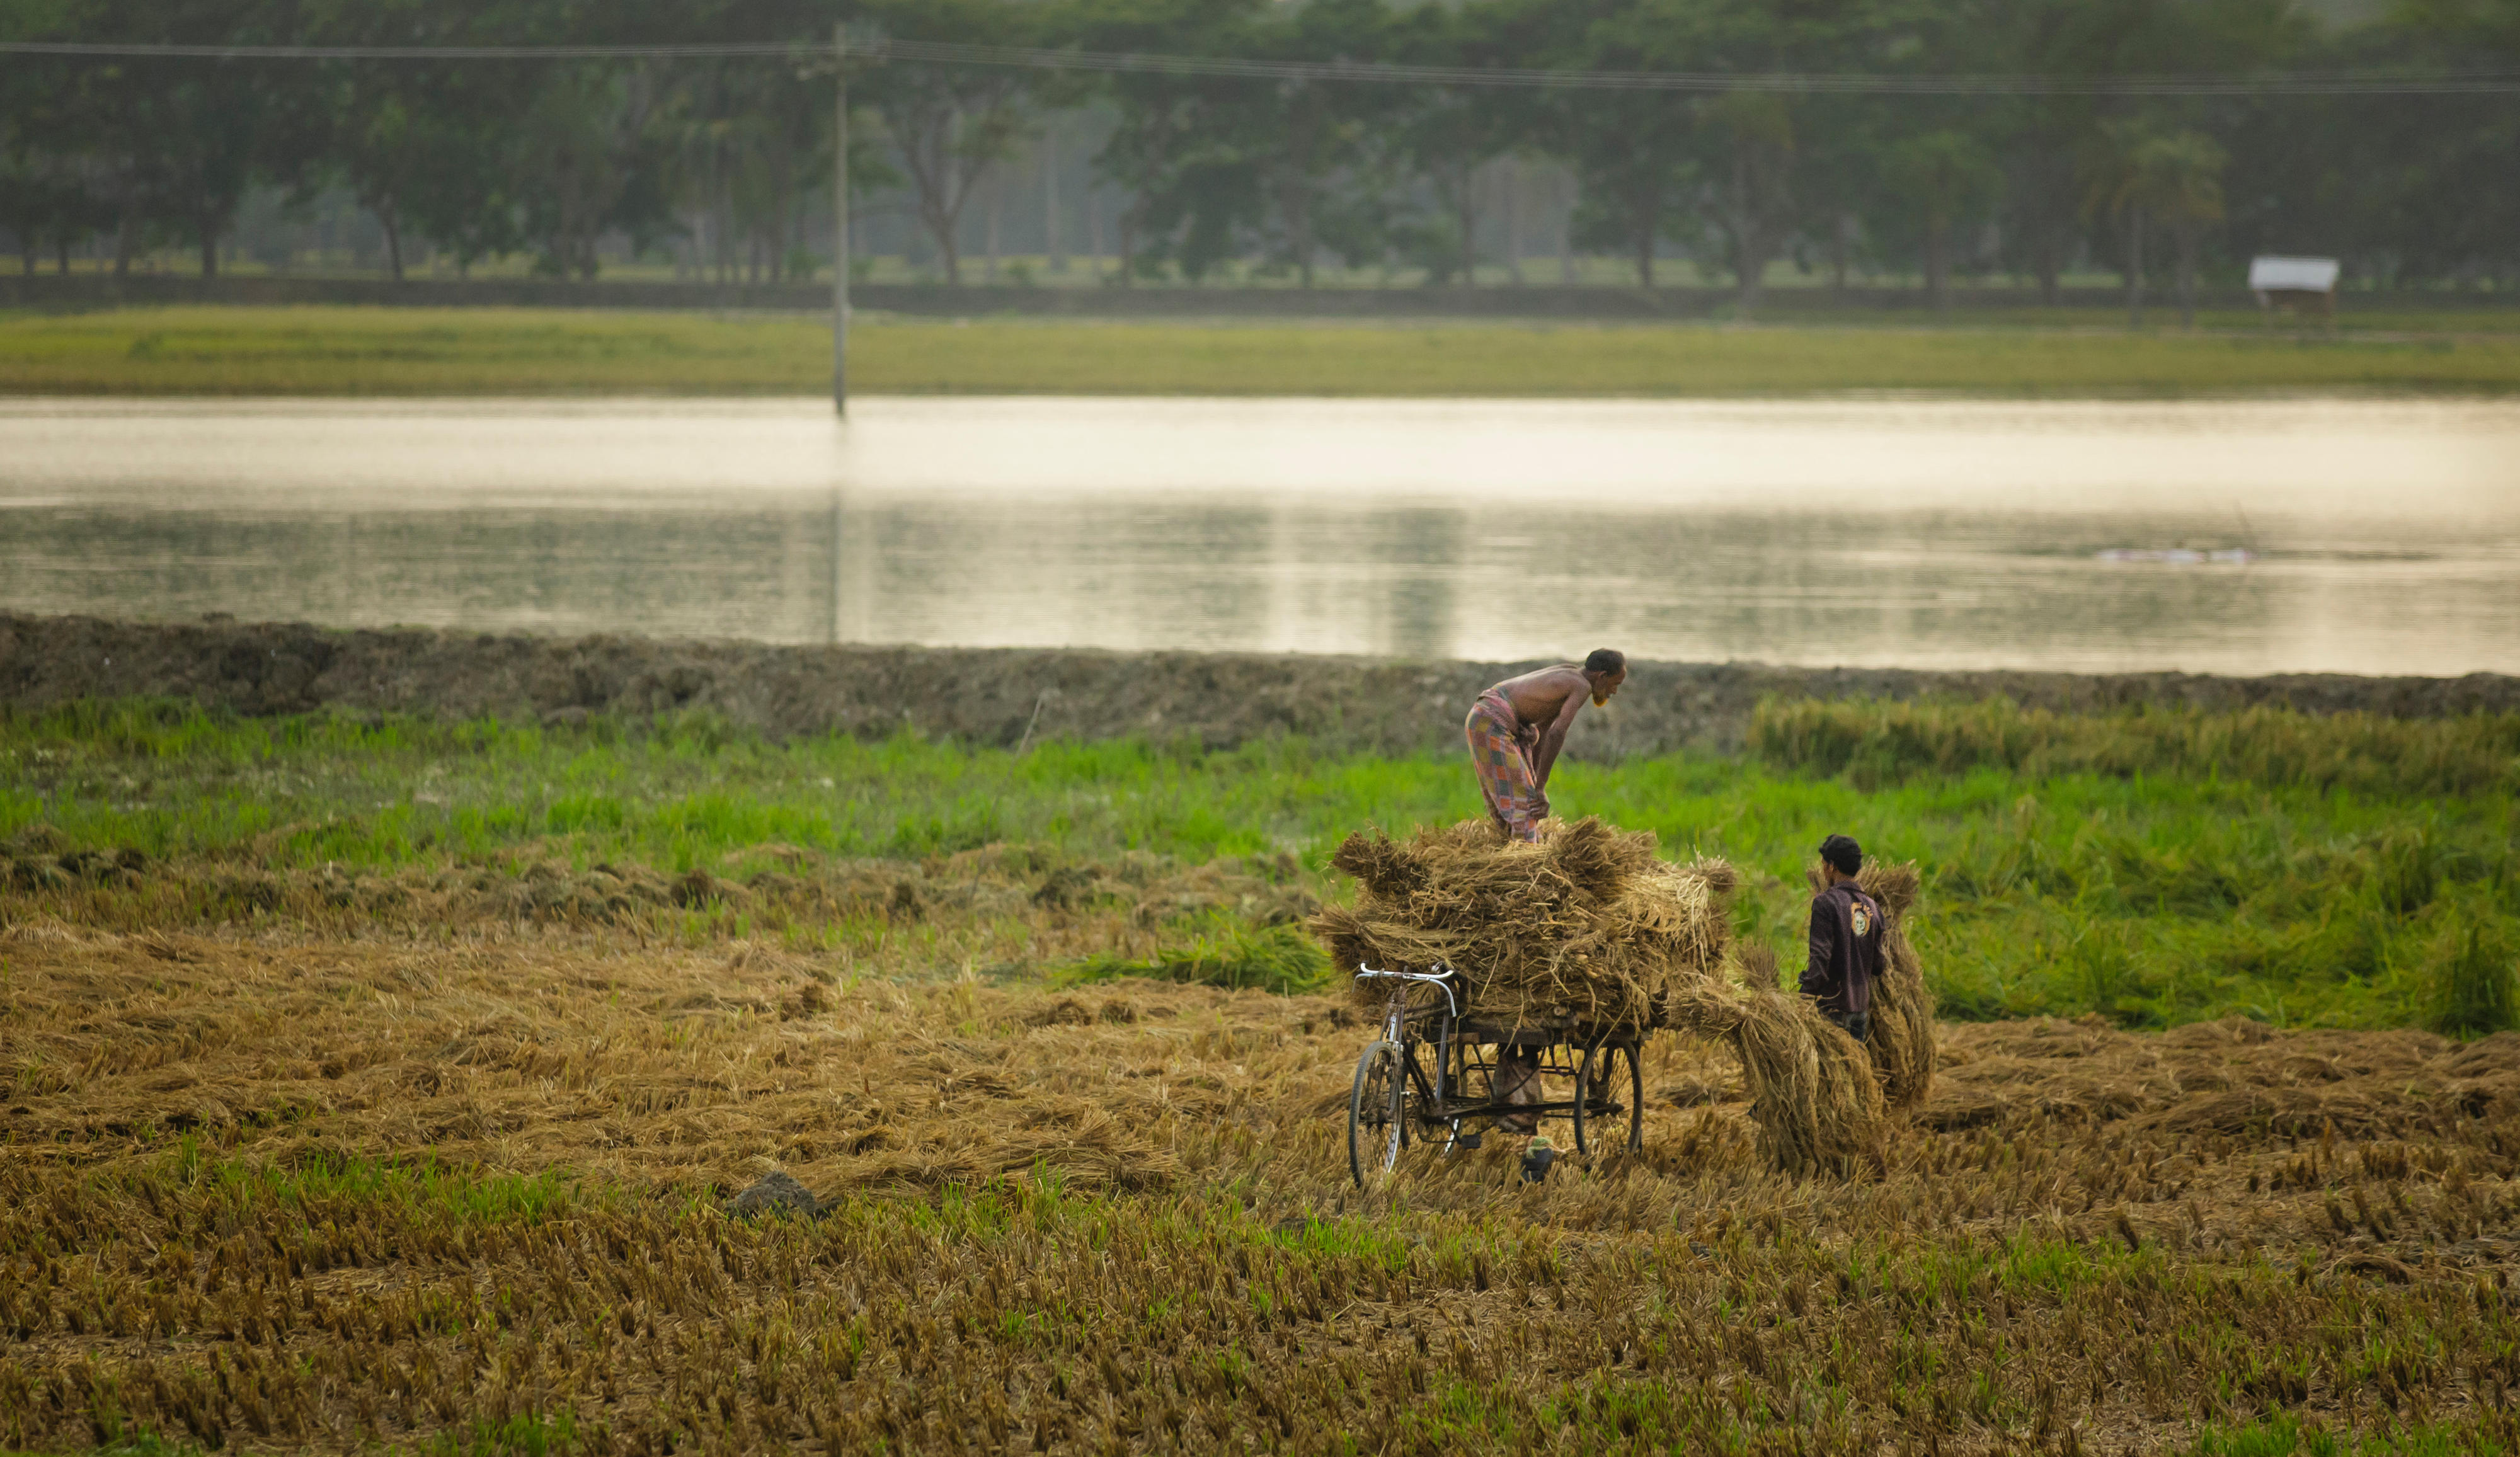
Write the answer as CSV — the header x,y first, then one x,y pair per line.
x,y
1901,1029
1812,1089
1586,926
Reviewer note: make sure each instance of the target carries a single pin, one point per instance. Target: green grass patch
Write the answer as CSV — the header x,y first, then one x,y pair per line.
x,y
2477,991
525,1435
1282,959
2286,1435
1874,743
2152,867
380,351
316,1186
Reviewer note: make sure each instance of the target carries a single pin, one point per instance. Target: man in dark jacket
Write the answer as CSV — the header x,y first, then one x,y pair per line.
x,y
1845,939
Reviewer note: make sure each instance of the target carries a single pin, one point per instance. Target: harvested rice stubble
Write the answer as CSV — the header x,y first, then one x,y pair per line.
x,y
428,1191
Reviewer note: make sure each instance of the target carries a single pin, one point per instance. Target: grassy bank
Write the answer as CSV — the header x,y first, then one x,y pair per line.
x,y
376,351
2156,868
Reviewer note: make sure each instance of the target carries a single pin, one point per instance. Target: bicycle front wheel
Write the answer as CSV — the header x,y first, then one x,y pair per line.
x,y
1376,1130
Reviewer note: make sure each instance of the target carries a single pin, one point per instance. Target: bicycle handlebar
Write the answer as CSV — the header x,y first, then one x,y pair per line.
x,y
1440,980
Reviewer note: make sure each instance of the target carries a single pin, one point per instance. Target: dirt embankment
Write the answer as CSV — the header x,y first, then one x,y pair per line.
x,y
1007,696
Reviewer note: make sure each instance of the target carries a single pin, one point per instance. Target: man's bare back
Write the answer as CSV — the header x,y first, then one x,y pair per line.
x,y
1546,701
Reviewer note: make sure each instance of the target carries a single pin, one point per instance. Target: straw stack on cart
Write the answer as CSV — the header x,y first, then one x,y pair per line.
x,y
1589,927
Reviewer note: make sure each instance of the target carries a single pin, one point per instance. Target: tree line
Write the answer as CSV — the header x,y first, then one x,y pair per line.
x,y
547,156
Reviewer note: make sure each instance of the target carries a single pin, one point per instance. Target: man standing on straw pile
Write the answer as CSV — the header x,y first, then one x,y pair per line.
x,y
1516,728
1515,731
1845,939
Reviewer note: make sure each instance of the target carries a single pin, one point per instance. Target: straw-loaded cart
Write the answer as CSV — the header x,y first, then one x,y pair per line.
x,y
1473,952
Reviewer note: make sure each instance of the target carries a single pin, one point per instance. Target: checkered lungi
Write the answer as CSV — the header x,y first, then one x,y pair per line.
x,y
1501,756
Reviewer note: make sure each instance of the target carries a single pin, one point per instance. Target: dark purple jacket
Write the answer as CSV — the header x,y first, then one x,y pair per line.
x,y
1845,949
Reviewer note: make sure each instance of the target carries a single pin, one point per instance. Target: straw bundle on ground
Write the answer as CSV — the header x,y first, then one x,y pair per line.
x,y
1900,1032
1584,926
1812,1092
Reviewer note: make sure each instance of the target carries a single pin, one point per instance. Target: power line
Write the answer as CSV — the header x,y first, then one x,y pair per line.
x,y
1834,82
142,51
1133,62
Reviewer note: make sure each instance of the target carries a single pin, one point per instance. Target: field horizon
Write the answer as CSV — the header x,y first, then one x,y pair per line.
x,y
378,351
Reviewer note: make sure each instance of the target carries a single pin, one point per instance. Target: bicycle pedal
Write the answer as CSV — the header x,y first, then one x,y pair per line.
x,y
1536,1161
1468,1140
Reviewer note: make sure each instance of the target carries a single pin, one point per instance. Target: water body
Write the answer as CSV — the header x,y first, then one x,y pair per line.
x,y
2379,537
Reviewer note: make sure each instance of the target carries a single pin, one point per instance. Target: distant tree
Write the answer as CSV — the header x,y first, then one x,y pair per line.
x,y
2177,178
952,125
1326,151
2039,140
2115,178
1176,151
2107,170
1635,154
428,148
179,140
1947,180
2419,189
1452,137
460,180
1753,144
2141,176
588,161
1750,194
2040,202
1445,135
746,140
48,187
1838,165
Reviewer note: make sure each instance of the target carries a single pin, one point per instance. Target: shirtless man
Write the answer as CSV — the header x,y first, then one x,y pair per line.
x,y
1515,731
1516,728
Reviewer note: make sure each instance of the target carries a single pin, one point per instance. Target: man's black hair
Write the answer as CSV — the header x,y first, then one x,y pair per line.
x,y
1606,660
1842,852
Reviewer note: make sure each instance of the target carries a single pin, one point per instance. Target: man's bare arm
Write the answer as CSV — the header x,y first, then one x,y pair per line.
x,y
1553,737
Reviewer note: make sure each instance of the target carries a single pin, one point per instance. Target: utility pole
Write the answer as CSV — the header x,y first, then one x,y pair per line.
x,y
840,223
1050,201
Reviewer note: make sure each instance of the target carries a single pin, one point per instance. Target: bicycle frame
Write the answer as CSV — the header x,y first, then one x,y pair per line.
x,y
1395,1024
1406,1030
1553,1051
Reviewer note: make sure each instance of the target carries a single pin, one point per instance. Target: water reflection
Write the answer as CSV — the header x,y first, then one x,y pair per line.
x,y
756,573
1877,534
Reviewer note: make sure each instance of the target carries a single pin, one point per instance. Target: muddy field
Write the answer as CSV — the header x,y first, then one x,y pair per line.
x,y
313,1189
1010,696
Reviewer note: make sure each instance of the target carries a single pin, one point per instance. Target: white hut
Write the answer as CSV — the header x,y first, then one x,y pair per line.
x,y
2306,284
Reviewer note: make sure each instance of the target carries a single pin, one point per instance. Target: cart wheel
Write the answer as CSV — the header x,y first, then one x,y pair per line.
x,y
1376,1130
1610,1099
